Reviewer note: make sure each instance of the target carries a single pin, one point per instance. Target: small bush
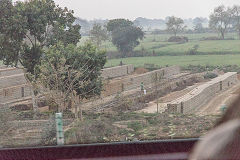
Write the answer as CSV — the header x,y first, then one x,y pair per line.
x,y
193,51
136,126
230,68
210,75
90,131
165,130
121,116
153,121
199,68
123,132
68,114
48,137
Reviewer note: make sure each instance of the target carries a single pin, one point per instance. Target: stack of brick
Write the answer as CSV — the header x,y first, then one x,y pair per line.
x,y
134,82
118,71
202,94
13,85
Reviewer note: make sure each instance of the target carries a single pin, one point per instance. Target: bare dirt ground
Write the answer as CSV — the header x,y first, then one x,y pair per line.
x,y
224,98
152,106
211,108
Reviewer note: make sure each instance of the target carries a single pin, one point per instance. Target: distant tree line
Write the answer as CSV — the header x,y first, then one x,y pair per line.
x,y
126,35
222,20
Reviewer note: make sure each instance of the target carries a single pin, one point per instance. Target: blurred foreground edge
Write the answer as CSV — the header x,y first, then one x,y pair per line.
x,y
146,150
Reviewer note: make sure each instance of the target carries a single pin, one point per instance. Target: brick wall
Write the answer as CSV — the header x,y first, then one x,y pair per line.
x,y
13,85
135,81
13,93
161,88
203,93
10,71
118,71
13,80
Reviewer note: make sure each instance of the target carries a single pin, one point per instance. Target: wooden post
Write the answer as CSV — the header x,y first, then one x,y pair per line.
x,y
80,108
73,104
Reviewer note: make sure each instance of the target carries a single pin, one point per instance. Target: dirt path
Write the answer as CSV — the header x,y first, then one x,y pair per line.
x,y
224,98
212,107
174,95
152,106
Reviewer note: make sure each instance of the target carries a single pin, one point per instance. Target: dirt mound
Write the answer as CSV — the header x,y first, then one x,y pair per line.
x,y
140,71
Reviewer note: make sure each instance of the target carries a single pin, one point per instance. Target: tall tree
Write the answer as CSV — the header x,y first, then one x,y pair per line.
x,y
98,34
70,74
198,28
125,36
12,33
220,20
35,25
236,18
175,25
198,25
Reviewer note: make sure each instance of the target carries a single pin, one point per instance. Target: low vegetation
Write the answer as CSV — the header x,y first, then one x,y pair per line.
x,y
158,45
137,126
184,61
210,75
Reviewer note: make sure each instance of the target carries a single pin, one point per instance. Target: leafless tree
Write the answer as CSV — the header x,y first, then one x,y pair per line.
x,y
52,85
220,20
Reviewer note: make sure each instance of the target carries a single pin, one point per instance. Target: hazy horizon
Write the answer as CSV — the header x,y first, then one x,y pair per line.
x,y
152,9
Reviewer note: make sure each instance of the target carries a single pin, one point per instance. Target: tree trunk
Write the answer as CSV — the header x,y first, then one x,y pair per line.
x,y
222,34
124,55
80,108
35,106
76,112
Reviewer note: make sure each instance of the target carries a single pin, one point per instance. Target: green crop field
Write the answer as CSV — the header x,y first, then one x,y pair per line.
x,y
212,60
159,45
211,52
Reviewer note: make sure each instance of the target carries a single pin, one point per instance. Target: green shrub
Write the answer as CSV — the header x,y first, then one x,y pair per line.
x,y
166,130
153,121
136,126
68,114
193,50
123,132
210,75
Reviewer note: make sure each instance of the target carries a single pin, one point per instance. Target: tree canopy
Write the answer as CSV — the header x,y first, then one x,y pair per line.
x,y
98,34
125,36
70,71
28,27
220,20
198,24
236,18
175,25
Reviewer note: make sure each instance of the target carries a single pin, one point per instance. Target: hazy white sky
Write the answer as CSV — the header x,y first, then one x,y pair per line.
x,y
131,9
